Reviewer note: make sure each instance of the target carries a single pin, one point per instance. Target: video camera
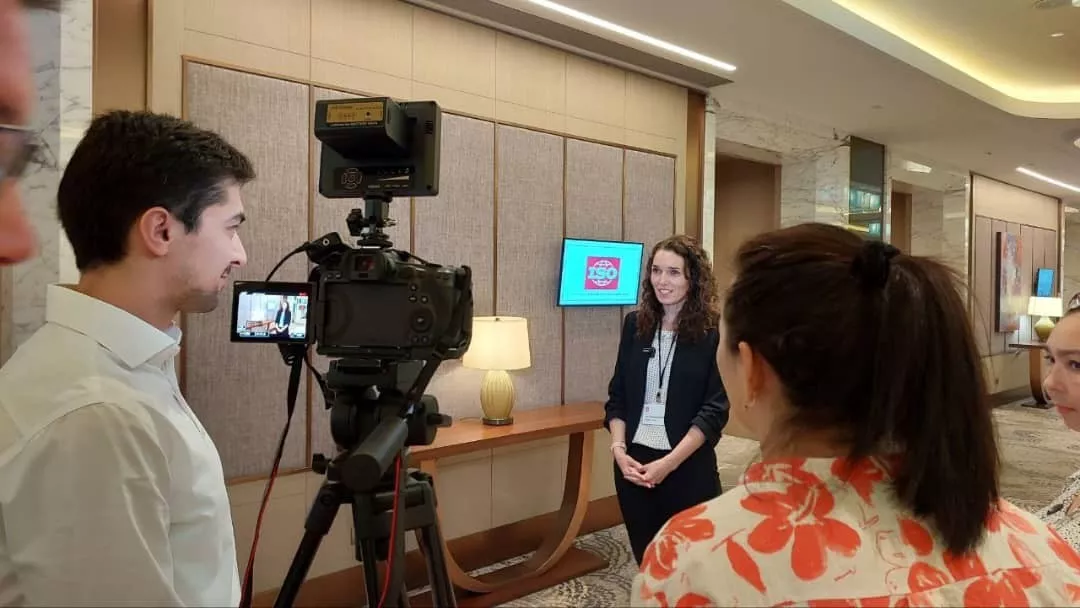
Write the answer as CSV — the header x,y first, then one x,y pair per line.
x,y
387,317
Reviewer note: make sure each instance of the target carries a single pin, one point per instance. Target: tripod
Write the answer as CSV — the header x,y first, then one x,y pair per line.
x,y
386,498
372,513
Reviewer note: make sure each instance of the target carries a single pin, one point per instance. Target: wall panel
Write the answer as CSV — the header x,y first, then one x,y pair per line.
x,y
238,390
593,210
529,173
1039,248
329,215
457,228
648,196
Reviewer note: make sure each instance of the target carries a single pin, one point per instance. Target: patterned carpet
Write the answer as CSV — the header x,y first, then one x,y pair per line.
x,y
1038,452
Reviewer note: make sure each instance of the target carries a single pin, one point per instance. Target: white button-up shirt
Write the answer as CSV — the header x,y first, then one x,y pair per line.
x,y
111,491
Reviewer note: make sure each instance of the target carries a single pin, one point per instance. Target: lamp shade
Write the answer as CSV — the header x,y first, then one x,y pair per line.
x,y
498,343
1044,307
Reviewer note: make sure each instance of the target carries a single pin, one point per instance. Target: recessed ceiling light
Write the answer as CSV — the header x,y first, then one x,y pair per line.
x,y
1048,180
916,167
1057,35
629,33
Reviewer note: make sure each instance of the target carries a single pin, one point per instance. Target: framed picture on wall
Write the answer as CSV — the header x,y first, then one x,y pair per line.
x,y
1010,285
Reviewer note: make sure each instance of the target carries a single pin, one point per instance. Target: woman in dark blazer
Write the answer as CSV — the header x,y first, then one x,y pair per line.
x,y
666,403
282,319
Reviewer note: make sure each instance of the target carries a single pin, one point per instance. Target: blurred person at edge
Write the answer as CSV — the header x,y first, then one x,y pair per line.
x,y
1062,388
16,148
856,368
666,404
111,490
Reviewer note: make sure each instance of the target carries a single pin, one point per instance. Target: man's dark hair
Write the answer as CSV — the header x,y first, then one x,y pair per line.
x,y
129,162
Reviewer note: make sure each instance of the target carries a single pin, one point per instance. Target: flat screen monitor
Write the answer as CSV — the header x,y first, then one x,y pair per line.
x,y
600,273
1044,282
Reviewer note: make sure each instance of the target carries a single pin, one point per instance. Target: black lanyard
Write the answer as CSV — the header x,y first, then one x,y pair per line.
x,y
661,361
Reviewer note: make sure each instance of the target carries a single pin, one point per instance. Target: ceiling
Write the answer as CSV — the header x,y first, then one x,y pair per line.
x,y
808,68
1022,56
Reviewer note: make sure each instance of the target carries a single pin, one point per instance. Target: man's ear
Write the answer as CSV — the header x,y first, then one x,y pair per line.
x,y
155,231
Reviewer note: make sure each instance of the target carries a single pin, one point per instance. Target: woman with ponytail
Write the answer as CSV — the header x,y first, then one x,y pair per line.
x,y
856,368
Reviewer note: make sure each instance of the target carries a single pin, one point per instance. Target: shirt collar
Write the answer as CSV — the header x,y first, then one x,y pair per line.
x,y
130,338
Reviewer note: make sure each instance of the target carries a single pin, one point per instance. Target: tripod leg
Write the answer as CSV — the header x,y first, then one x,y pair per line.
x,y
442,590
318,523
371,572
403,599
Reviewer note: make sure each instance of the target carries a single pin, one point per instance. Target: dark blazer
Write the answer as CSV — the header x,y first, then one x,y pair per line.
x,y
284,317
695,393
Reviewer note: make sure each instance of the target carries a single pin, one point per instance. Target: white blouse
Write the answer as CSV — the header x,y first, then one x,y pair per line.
x,y
1057,516
655,436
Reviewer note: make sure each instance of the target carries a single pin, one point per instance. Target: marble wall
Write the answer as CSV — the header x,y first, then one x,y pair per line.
x,y
62,52
1071,261
940,215
815,160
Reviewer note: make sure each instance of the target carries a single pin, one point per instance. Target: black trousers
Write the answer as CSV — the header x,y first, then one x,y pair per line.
x,y
646,510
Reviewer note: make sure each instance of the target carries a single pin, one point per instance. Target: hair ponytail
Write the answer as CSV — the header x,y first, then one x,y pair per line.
x,y
877,345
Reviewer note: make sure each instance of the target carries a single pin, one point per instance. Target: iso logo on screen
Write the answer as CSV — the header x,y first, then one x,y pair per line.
x,y
601,272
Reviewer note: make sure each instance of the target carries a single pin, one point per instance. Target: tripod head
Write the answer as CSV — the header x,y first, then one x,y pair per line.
x,y
377,410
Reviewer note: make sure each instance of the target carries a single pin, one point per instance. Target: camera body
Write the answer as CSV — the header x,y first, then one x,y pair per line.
x,y
383,304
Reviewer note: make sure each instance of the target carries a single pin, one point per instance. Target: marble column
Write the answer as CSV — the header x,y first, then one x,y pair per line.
x,y
940,222
956,226
815,160
62,52
708,179
814,186
1071,260
927,221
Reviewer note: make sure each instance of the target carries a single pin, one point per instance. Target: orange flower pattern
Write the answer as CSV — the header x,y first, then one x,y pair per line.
x,y
828,532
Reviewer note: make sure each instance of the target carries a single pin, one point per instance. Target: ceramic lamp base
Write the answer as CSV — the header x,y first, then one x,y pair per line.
x,y
1043,328
497,398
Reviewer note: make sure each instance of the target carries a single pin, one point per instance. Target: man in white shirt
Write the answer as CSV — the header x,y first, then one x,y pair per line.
x,y
111,491
16,148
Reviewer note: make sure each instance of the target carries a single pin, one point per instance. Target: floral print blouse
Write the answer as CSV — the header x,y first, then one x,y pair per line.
x,y
821,532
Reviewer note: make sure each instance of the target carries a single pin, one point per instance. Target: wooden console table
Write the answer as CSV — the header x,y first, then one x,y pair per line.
x,y
578,420
1035,352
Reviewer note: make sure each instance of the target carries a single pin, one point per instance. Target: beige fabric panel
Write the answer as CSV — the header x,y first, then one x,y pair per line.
x,y
239,390
457,228
594,188
529,171
329,216
649,200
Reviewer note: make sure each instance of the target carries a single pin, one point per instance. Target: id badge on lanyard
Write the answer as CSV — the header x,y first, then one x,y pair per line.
x,y
653,413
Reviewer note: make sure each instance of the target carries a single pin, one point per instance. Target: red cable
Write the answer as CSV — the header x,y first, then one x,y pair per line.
x,y
393,531
245,598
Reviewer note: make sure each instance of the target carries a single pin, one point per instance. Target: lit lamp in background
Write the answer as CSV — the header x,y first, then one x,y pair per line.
x,y
499,344
1045,308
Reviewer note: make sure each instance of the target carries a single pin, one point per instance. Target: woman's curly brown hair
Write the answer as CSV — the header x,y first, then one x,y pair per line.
x,y
701,311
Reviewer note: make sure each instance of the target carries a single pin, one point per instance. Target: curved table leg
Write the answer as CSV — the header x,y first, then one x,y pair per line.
x,y
559,538
1035,377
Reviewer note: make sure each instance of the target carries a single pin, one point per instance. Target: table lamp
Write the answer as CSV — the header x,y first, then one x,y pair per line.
x,y
499,344
1044,308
